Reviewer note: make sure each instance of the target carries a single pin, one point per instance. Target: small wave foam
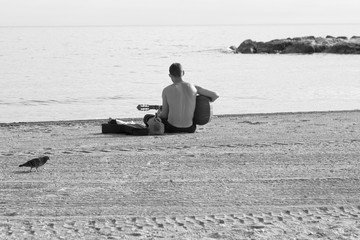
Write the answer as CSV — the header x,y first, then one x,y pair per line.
x,y
215,50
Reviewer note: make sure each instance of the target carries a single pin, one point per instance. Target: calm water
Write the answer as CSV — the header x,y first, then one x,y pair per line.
x,y
99,72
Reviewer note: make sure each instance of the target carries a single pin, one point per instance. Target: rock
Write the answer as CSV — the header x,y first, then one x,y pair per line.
x,y
355,39
300,47
303,45
247,46
342,37
274,46
233,48
303,38
321,44
343,49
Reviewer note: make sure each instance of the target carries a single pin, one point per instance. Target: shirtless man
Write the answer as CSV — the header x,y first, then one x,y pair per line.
x,y
178,102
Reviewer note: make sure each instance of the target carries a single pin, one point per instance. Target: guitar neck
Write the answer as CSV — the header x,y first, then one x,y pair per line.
x,y
202,113
147,107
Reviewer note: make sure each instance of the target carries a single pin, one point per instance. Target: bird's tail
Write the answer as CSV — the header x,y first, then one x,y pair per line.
x,y
21,165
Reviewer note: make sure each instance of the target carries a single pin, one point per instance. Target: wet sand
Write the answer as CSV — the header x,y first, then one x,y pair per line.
x,y
264,176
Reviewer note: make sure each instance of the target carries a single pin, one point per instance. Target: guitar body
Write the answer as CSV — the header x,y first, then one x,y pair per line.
x,y
203,110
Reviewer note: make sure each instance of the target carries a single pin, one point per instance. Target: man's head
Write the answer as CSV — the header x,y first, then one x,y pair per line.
x,y
176,70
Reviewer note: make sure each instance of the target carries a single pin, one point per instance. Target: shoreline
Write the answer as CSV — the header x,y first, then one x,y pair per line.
x,y
2,124
267,176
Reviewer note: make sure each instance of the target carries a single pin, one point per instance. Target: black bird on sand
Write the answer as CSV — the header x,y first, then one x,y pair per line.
x,y
35,163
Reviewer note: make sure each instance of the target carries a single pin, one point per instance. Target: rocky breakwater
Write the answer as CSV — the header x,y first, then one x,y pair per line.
x,y
303,45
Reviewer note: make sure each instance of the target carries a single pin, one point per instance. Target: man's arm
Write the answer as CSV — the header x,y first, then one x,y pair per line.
x,y
165,107
207,93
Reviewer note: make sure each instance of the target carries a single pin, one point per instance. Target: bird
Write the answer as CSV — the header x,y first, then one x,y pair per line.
x,y
35,163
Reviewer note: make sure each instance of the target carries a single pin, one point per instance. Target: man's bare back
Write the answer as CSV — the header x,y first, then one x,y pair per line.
x,y
179,100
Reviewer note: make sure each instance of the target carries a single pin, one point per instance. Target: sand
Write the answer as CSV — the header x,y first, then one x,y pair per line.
x,y
264,176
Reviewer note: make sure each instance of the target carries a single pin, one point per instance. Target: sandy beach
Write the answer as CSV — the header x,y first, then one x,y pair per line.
x,y
261,176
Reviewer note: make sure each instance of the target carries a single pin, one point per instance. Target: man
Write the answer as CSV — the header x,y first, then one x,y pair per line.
x,y
178,102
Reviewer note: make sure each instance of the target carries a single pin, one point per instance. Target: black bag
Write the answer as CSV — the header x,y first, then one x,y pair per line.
x,y
130,129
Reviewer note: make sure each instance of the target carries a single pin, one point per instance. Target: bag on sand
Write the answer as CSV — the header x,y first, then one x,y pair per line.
x,y
129,128
156,127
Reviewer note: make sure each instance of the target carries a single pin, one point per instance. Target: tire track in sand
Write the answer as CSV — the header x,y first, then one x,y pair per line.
x,y
317,221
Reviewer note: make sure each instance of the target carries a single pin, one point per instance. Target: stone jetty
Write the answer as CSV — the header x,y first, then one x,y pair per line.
x,y
303,45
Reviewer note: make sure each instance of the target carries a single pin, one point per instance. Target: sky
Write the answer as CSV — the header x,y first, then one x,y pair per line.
x,y
175,12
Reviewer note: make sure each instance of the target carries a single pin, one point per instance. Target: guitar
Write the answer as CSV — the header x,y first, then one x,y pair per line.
x,y
203,109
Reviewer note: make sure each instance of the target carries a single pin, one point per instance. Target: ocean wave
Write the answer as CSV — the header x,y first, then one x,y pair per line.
x,y
117,97
43,102
36,102
250,98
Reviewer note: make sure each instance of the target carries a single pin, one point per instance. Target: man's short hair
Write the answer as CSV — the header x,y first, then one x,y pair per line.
x,y
176,69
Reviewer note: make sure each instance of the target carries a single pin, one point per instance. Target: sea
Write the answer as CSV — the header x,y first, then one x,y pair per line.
x,y
97,72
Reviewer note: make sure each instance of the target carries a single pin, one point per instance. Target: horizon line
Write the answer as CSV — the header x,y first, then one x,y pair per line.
x,y
171,25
